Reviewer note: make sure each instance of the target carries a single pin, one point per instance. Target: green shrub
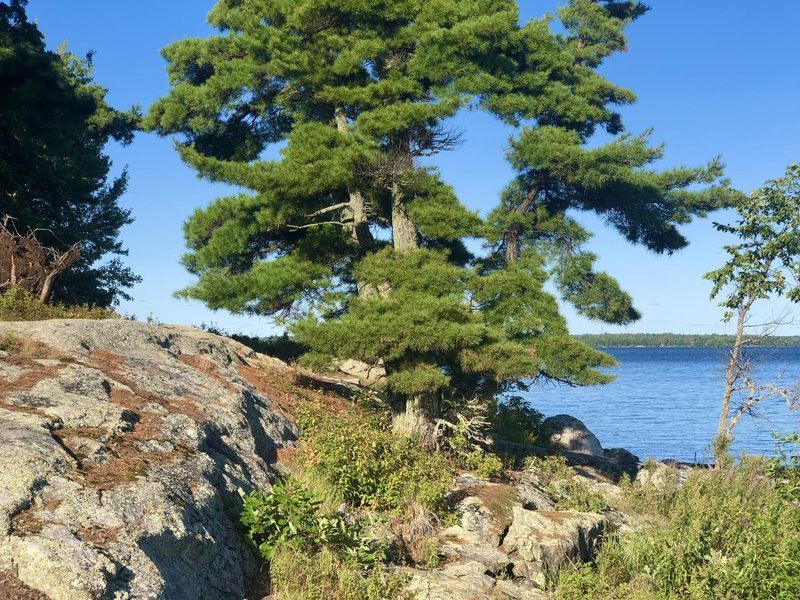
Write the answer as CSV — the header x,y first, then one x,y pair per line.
x,y
562,484
297,575
726,533
17,304
483,465
550,469
371,466
426,552
515,421
651,501
573,494
468,455
286,516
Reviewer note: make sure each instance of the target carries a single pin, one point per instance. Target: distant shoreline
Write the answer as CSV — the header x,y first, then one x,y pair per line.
x,y
678,340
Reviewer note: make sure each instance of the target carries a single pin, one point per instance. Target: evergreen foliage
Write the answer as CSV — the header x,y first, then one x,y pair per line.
x,y
362,247
54,124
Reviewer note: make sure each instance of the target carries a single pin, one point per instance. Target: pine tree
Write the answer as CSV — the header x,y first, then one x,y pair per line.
x,y
361,246
54,124
558,173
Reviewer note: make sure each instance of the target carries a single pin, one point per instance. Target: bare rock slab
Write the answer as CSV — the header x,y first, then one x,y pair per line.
x,y
124,445
539,542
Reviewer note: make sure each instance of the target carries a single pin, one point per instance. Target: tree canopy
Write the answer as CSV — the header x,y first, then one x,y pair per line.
x,y
54,175
362,245
764,262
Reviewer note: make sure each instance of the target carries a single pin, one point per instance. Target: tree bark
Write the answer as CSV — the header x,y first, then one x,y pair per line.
x,y
356,214
414,420
511,239
723,437
359,229
404,231
512,243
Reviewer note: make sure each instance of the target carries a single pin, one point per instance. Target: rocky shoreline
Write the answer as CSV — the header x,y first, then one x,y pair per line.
x,y
125,445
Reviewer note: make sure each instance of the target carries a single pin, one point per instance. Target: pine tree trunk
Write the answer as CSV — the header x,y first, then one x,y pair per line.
x,y
404,231
356,214
414,421
511,240
512,243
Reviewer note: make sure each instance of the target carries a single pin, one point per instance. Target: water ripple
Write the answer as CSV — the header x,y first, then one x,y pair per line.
x,y
665,402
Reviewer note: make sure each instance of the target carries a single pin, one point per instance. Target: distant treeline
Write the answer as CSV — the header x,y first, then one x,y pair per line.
x,y
675,340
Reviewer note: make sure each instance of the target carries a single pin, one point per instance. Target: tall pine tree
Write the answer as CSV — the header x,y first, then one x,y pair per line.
x,y
361,245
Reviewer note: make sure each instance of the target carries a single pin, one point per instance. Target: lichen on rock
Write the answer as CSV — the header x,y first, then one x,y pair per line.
x,y
122,457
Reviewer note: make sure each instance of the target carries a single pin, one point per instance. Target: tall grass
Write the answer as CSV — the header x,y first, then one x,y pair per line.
x,y
17,304
726,533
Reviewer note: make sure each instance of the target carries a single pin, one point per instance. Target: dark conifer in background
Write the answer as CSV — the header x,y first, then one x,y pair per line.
x,y
54,175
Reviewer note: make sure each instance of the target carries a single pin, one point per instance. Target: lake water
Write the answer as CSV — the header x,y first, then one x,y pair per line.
x,y
665,402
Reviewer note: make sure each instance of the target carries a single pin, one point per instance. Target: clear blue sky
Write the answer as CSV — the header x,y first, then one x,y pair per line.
x,y
712,77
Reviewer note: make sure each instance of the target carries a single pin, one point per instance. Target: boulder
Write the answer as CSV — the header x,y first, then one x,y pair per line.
x,y
469,581
533,494
366,375
124,445
458,545
657,475
486,510
465,581
539,542
564,432
621,455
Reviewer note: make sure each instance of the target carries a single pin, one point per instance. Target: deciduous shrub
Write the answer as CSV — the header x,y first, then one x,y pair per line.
x,y
286,516
297,575
562,484
551,468
466,454
483,465
371,466
514,420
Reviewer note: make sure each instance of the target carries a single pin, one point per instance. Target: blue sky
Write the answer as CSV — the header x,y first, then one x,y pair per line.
x,y
713,77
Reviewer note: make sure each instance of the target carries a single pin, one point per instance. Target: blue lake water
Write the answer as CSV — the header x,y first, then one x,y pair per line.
x,y
665,402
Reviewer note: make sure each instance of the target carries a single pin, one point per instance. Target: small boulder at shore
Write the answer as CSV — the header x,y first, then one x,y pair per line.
x,y
621,455
564,432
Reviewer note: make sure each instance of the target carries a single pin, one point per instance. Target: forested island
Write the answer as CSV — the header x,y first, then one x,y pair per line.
x,y
679,340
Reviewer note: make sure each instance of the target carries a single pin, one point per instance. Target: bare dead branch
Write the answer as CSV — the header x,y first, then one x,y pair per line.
x,y
26,263
310,225
328,209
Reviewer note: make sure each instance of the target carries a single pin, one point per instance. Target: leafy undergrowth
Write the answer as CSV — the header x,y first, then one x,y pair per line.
x,y
316,550
299,575
370,466
514,420
562,483
314,555
725,533
17,304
